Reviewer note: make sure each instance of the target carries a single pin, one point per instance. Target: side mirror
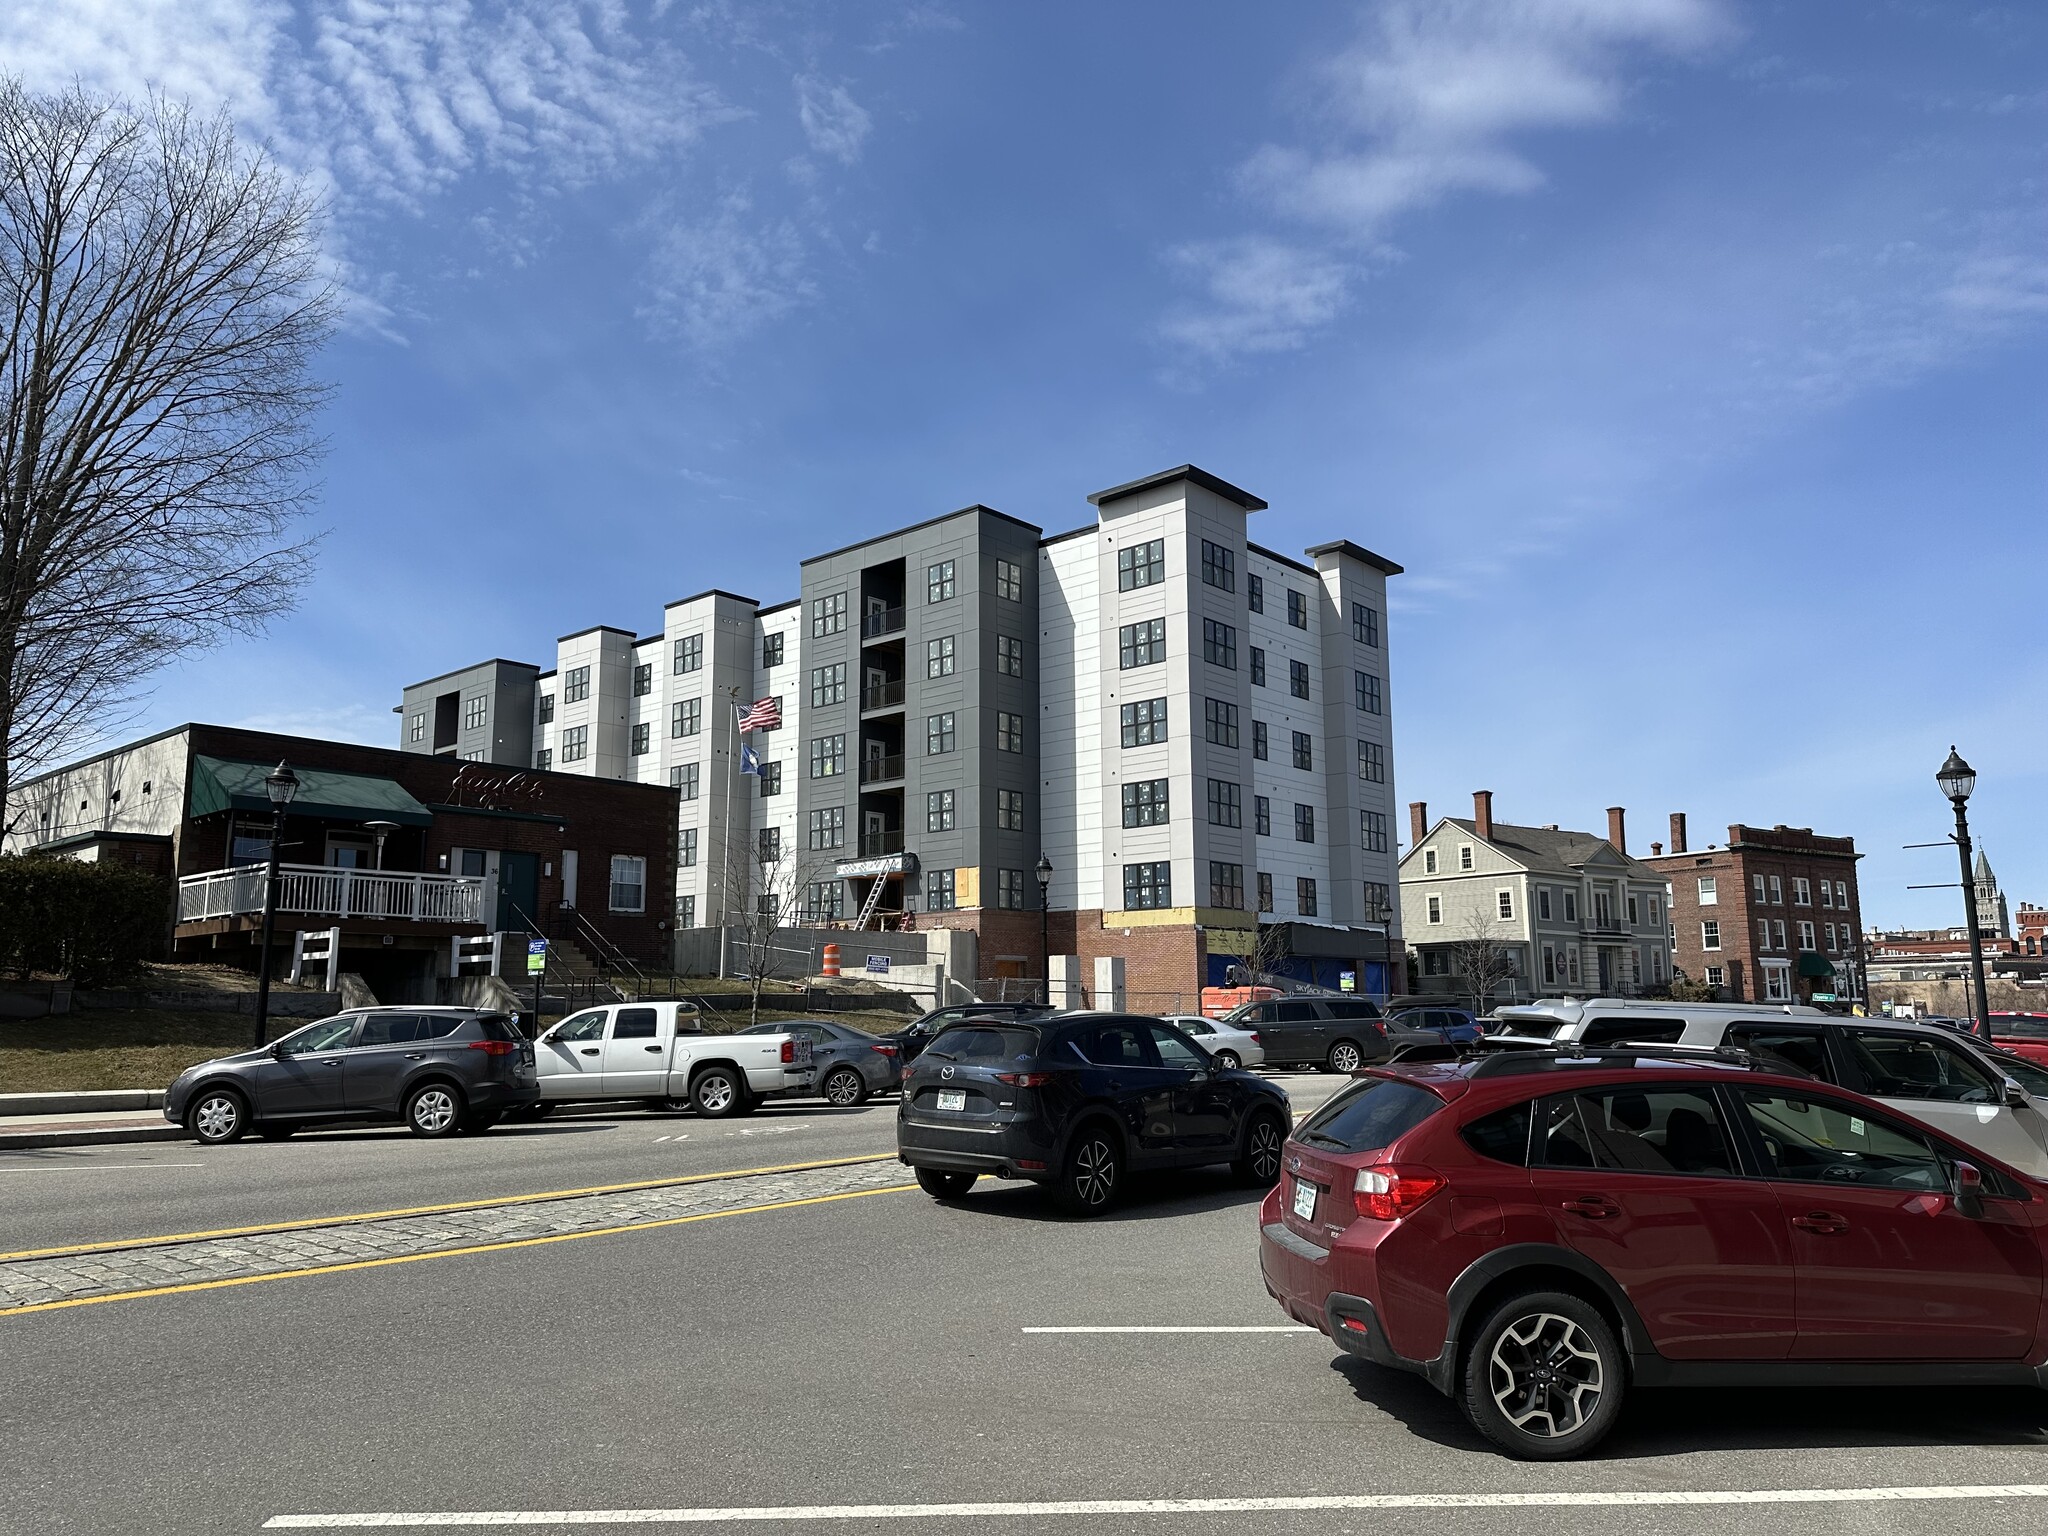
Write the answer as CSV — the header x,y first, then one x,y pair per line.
x,y
1969,1190
279,1053
2015,1096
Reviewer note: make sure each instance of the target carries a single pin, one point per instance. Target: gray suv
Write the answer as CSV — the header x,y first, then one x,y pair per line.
x,y
437,1070
1340,1034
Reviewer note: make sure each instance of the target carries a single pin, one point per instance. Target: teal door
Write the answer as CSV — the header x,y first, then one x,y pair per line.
x,y
518,891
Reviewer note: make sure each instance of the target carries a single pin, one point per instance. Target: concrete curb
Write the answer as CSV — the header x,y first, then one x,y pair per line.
x,y
112,1099
89,1136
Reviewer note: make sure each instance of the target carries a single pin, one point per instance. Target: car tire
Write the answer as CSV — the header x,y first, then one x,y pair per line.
x,y
434,1110
718,1093
844,1088
672,1106
1544,1377
1228,1061
1345,1058
277,1130
217,1117
1258,1161
944,1183
1091,1174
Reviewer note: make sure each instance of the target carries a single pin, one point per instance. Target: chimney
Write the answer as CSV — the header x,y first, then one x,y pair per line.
x,y
1482,813
1418,822
1617,834
1656,850
1678,831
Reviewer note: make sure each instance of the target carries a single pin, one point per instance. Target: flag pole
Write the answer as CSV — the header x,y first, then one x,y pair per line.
x,y
725,871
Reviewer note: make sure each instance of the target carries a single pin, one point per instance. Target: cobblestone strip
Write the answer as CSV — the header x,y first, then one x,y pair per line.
x,y
29,1282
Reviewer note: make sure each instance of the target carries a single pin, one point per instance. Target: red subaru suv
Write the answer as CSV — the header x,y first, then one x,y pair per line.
x,y
1536,1232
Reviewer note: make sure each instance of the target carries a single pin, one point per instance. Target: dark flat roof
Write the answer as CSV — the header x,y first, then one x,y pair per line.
x,y
495,661
975,509
698,597
1188,472
1287,560
777,607
595,629
1071,533
1356,552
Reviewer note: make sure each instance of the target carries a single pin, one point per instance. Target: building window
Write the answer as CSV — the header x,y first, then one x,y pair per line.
x,y
1758,885
938,734
1543,902
684,776
1009,731
1010,810
828,615
771,778
1259,746
1304,896
938,810
1710,892
1145,803
1144,722
1258,666
1777,892
1372,762
641,732
575,743
1009,655
1373,831
1379,901
1141,565
1716,976
1842,895
1827,894
475,712
1297,679
824,901
1265,883
938,890
1226,885
1297,608
1778,933
685,718
1464,856
643,680
938,582
1219,567
1802,893
1429,861
1365,690
1830,929
1141,645
1365,624
828,755
547,713
1219,644
575,685
1148,887
1806,935
771,650
1504,904
686,911
1219,722
1304,752
1226,804
1010,888
1433,909
629,883
768,844
1009,581
1262,816
1255,596
1304,823
1632,918
416,727
544,759
1710,934
686,848
1549,964
938,657
690,653
1778,983
1763,933
828,685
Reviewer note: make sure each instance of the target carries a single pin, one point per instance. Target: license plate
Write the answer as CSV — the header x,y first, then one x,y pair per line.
x,y
952,1098
1305,1199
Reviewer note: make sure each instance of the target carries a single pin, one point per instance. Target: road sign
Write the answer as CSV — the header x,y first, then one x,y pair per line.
x,y
536,956
879,964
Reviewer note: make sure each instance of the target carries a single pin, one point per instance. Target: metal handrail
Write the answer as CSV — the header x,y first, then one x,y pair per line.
x,y
873,770
888,621
882,695
322,890
875,844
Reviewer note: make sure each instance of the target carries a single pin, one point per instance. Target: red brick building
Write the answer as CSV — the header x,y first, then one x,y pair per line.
x,y
1771,916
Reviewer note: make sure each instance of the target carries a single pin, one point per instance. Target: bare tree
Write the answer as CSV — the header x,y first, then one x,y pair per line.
x,y
760,903
1262,956
1483,960
160,304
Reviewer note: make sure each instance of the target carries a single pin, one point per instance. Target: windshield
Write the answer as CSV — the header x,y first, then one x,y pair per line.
x,y
1374,1114
983,1044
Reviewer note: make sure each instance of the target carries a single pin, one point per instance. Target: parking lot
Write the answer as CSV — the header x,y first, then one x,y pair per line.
x,y
817,1347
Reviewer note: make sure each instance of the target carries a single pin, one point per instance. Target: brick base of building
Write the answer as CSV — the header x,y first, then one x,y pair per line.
x,y
1163,967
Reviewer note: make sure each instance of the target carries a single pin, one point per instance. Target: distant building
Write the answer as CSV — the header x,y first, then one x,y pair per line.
x,y
1771,917
1993,921
2033,929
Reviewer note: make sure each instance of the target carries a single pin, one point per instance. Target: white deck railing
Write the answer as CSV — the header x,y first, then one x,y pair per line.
x,y
317,890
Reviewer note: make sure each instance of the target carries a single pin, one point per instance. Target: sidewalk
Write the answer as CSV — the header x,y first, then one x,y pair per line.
x,y
31,1120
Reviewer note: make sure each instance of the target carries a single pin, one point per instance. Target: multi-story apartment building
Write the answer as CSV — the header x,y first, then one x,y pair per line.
x,y
1192,731
1574,914
1772,917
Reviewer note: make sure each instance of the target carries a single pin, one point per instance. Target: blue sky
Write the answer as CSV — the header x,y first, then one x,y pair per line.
x,y
1689,353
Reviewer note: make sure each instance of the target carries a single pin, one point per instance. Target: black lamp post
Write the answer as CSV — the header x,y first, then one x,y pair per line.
x,y
1957,779
1044,872
282,784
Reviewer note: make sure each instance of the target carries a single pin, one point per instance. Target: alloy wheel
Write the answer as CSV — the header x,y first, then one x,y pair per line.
x,y
1094,1176
1264,1151
842,1088
1545,1375
714,1096
1228,1061
1344,1057
434,1110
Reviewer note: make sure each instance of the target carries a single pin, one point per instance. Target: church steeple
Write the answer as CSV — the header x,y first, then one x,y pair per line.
x,y
1993,920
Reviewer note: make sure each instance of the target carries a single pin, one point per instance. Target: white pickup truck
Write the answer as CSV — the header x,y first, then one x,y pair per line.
x,y
660,1052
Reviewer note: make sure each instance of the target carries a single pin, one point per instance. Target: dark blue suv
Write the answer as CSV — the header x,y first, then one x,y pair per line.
x,y
1074,1101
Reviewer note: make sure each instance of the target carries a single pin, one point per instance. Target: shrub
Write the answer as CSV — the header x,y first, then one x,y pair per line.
x,y
92,922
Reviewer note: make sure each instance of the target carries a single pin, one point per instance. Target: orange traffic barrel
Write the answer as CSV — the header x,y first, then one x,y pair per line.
x,y
831,959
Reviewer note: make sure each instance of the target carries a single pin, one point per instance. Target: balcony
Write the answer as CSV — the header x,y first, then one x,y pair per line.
x,y
319,890
875,845
883,621
1604,924
880,770
882,695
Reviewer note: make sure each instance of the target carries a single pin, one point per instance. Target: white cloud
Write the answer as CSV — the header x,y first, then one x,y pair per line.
x,y
1256,295
712,280
833,122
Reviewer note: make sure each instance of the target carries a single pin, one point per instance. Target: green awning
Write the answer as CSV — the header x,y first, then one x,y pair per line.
x,y
1811,964
219,785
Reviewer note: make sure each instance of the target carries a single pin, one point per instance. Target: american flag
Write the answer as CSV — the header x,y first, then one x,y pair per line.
x,y
762,715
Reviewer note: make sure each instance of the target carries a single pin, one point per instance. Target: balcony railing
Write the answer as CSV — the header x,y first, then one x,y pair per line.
x,y
874,845
881,621
882,695
318,890
877,770
1601,922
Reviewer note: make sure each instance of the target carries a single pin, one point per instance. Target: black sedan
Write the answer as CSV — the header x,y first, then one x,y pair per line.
x,y
848,1064
913,1037
1074,1101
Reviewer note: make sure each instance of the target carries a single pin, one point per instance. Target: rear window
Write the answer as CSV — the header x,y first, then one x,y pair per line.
x,y
2020,1026
433,1026
983,1043
1354,1008
1502,1135
496,1026
1374,1114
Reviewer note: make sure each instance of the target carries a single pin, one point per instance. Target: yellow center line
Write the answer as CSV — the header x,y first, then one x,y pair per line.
x,y
443,1253
437,1210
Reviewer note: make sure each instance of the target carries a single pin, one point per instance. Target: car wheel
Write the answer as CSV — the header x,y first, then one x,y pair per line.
x,y
672,1106
718,1093
217,1117
1228,1060
1259,1165
844,1087
1093,1168
1345,1057
433,1110
943,1183
277,1130
1543,1380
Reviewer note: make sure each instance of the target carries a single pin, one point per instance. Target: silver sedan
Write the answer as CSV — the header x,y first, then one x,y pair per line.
x,y
1231,1044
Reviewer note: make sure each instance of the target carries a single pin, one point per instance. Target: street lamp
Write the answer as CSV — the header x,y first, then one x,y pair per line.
x,y
1044,872
282,784
1957,780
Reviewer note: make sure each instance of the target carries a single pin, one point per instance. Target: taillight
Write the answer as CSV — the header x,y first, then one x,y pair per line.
x,y
886,1050
789,1050
493,1047
1024,1079
904,1075
1388,1194
1255,1037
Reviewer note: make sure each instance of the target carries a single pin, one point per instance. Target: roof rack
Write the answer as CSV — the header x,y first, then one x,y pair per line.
x,y
1493,1055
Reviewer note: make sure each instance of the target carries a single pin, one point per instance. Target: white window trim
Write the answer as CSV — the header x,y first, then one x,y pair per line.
x,y
1433,907
1466,861
1504,903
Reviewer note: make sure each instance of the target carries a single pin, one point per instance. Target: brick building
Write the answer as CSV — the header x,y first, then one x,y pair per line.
x,y
1771,916
397,852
